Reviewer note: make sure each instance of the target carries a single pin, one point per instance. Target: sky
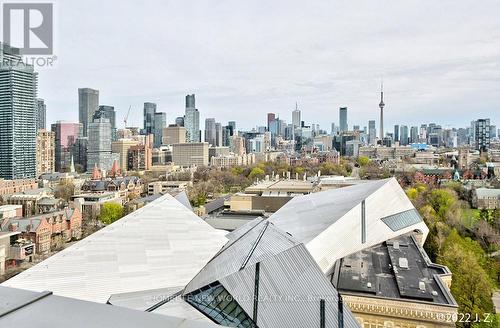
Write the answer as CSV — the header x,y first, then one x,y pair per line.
x,y
439,60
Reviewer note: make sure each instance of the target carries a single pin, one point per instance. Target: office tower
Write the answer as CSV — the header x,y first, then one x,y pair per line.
x,y
66,134
41,114
343,119
121,147
381,105
108,112
270,117
99,145
188,154
482,131
149,118
414,134
88,104
192,120
174,134
79,153
372,132
179,121
218,134
232,125
160,122
354,128
396,133
18,116
45,152
210,133
493,131
403,135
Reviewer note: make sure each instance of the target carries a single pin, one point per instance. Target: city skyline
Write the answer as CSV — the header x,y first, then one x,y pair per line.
x,y
260,68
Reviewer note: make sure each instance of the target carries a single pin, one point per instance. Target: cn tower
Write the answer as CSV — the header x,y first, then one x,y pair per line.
x,y
381,105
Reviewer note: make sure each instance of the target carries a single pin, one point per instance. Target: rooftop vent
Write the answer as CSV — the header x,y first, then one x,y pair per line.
x,y
434,293
396,245
421,286
403,262
369,285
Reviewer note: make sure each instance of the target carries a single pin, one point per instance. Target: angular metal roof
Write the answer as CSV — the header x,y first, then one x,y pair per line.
x,y
162,244
339,222
309,215
22,308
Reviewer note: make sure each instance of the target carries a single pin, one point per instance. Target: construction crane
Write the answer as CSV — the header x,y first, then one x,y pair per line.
x,y
126,116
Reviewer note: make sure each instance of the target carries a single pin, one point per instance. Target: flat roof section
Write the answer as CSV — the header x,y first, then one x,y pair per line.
x,y
398,269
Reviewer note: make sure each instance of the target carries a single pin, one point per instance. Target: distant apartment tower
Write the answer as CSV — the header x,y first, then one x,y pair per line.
x,y
218,135
160,123
270,118
192,120
41,114
88,104
18,116
66,134
396,133
109,113
414,134
179,121
372,133
343,119
149,117
210,131
45,152
99,145
482,132
174,134
403,137
188,154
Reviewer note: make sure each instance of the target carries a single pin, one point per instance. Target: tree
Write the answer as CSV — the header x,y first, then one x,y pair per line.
x,y
64,190
257,172
442,200
470,286
110,212
363,160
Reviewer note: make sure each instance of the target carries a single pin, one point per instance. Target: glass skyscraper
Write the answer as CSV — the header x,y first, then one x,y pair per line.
x,y
192,120
343,119
18,115
88,104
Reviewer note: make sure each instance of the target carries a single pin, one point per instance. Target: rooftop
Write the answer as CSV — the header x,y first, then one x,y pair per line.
x,y
397,268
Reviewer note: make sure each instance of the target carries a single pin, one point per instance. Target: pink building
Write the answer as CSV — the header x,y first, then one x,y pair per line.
x,y
66,135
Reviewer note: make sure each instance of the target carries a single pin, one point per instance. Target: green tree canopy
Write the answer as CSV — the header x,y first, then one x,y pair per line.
x,y
110,212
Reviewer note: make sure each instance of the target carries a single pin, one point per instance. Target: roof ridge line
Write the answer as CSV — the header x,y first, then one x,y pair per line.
x,y
254,246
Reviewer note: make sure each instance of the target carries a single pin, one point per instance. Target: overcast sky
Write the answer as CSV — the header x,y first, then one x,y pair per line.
x,y
439,60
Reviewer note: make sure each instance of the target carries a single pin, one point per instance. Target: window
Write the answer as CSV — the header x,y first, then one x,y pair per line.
x,y
216,303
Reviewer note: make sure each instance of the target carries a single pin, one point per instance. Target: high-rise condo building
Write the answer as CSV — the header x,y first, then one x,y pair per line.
x,y
403,136
270,118
210,131
108,112
45,152
41,114
372,132
160,122
88,104
396,133
343,119
149,117
414,134
192,120
18,115
482,131
99,145
218,134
